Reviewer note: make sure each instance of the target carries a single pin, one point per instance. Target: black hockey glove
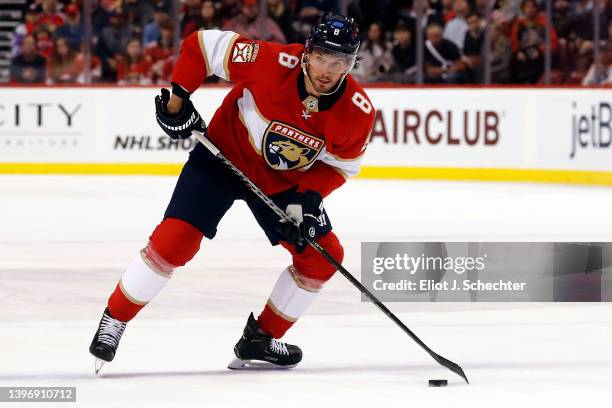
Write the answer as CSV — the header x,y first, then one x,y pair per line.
x,y
179,125
306,209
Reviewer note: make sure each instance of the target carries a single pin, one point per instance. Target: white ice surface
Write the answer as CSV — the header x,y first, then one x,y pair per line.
x,y
64,242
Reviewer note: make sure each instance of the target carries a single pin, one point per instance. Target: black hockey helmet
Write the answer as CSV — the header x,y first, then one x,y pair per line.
x,y
335,33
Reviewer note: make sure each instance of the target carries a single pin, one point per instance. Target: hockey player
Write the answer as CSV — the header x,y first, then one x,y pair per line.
x,y
297,124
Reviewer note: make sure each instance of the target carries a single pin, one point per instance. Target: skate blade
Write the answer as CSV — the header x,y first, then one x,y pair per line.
x,y
98,365
240,364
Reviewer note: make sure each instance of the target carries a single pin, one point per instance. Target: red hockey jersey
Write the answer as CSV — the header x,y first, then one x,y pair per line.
x,y
268,125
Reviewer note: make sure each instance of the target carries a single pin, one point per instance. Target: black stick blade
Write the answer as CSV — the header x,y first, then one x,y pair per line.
x,y
454,367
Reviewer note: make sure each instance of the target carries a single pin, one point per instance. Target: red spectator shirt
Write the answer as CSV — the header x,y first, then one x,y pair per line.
x,y
50,21
161,63
268,125
133,73
156,52
44,44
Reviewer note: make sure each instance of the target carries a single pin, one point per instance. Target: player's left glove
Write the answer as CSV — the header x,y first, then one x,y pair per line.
x,y
179,125
306,209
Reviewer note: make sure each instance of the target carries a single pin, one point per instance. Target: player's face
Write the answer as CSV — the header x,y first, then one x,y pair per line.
x,y
325,70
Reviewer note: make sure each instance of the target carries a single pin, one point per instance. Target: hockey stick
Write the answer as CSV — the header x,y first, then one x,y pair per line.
x,y
454,367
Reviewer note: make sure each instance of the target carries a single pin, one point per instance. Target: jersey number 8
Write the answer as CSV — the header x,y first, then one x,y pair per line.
x,y
286,60
361,102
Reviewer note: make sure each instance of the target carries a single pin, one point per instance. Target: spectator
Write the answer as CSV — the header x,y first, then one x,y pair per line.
x,y
582,18
403,68
608,42
429,17
528,36
519,40
605,37
161,51
112,42
447,12
561,11
207,20
138,12
151,32
574,25
100,16
250,24
44,42
27,28
472,47
163,47
501,56
365,12
308,13
281,14
50,19
437,6
191,12
72,28
456,28
562,24
133,67
312,10
480,6
443,62
31,18
65,64
228,10
600,72
29,66
374,56
501,19
209,17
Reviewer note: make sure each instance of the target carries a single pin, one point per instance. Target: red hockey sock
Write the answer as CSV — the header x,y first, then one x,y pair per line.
x,y
272,323
122,308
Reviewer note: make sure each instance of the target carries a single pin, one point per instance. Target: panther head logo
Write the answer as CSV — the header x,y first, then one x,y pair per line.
x,y
289,148
290,155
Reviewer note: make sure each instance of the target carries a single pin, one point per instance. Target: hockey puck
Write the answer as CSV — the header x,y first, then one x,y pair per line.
x,y
438,383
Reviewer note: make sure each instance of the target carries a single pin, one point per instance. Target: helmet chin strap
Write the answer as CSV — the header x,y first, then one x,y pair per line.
x,y
304,65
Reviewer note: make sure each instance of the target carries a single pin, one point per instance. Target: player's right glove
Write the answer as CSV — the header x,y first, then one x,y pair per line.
x,y
179,125
305,209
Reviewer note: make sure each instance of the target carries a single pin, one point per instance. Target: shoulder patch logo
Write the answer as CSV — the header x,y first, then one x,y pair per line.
x,y
287,148
245,52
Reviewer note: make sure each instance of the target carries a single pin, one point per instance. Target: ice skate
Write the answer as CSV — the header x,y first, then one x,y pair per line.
x,y
257,350
106,340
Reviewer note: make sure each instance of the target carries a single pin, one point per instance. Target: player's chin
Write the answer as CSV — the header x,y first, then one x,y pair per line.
x,y
325,87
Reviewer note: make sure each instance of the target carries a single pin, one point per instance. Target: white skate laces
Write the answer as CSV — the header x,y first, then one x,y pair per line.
x,y
279,347
111,331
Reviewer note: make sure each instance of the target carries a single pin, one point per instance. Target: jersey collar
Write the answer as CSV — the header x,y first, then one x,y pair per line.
x,y
324,102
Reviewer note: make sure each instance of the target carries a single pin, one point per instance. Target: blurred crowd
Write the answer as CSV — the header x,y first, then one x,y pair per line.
x,y
133,41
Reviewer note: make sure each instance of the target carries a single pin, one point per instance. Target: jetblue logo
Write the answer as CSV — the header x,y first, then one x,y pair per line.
x,y
592,128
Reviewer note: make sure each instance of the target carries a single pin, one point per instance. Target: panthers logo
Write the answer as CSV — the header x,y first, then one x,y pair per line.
x,y
287,148
288,152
